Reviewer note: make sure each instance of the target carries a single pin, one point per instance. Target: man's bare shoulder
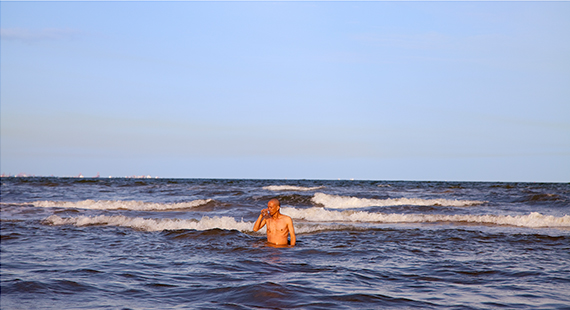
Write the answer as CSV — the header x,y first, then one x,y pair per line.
x,y
287,218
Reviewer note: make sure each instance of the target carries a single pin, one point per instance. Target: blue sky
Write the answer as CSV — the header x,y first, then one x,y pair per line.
x,y
467,91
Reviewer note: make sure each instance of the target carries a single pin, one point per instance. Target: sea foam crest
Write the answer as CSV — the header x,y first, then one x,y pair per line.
x,y
121,205
343,202
140,223
291,188
533,219
205,223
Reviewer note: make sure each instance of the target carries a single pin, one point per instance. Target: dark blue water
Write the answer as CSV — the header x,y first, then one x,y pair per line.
x,y
70,243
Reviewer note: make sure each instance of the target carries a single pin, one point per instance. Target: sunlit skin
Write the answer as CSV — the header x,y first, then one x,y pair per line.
x,y
279,226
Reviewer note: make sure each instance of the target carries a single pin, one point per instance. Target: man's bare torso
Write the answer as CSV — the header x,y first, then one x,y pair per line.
x,y
277,230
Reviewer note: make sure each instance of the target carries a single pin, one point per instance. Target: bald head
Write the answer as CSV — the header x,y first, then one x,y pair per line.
x,y
273,206
274,202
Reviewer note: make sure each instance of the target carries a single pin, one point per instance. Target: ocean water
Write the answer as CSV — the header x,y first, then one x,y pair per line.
x,y
79,243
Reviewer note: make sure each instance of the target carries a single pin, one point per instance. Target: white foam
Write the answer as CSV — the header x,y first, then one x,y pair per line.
x,y
533,219
291,188
337,220
307,228
205,223
140,223
343,202
121,205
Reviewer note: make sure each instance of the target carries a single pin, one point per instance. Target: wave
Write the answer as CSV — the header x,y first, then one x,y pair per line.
x,y
343,202
290,199
121,205
206,223
140,223
326,221
543,197
291,188
533,220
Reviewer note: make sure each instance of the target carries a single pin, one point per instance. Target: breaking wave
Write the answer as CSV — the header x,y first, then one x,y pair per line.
x,y
291,188
315,220
343,202
121,205
140,223
534,219
206,223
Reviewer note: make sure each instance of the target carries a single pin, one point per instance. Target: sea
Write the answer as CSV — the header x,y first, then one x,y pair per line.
x,y
139,243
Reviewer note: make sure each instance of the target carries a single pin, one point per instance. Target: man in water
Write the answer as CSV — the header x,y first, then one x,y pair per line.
x,y
278,225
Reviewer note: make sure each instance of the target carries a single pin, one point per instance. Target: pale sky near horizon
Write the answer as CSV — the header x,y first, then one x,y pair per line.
x,y
462,91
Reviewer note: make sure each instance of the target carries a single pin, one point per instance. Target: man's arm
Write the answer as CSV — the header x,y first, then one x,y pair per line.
x,y
291,231
260,221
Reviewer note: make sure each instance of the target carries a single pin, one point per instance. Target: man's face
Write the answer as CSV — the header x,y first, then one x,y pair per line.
x,y
273,208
